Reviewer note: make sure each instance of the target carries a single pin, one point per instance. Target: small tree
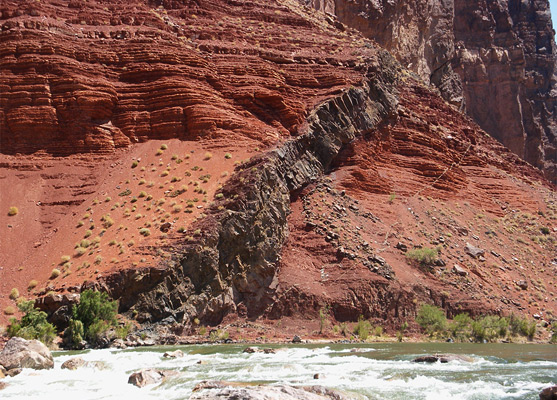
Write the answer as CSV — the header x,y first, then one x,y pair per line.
x,y
96,313
33,324
431,319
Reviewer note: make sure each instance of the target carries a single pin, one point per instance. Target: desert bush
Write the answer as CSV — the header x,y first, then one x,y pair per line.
x,y
9,310
107,221
460,327
217,335
33,324
12,211
431,319
425,256
489,327
362,328
14,294
32,284
55,273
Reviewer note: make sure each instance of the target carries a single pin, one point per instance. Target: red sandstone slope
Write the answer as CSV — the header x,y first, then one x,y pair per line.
x,y
217,82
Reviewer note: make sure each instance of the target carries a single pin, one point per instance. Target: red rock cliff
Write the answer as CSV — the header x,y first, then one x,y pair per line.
x,y
496,57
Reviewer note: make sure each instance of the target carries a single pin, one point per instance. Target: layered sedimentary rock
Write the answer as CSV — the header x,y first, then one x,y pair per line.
x,y
496,58
91,77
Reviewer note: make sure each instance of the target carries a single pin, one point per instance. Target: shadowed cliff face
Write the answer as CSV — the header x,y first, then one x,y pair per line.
x,y
496,58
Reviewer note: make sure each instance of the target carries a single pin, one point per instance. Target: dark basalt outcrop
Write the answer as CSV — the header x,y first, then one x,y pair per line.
x,y
233,257
496,59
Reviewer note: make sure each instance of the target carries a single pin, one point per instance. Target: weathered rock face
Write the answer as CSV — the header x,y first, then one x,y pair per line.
x,y
497,58
21,353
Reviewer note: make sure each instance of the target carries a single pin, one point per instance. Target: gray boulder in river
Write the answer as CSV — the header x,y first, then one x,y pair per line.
x,y
21,353
217,390
442,358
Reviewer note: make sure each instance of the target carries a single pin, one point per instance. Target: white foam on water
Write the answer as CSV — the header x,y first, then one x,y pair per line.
x,y
376,378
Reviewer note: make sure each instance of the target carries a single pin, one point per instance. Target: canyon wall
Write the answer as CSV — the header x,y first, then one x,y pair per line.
x,y
496,59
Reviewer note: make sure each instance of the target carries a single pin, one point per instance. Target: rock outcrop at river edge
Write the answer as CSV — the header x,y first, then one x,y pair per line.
x,y
495,59
345,161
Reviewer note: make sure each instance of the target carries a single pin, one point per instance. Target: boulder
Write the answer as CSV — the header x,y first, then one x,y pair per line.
x,y
173,354
457,269
442,358
21,353
14,371
118,344
296,339
473,251
74,363
149,376
2,372
3,385
549,393
250,350
522,284
216,390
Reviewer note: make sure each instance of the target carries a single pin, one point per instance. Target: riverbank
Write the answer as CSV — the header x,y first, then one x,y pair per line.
x,y
275,332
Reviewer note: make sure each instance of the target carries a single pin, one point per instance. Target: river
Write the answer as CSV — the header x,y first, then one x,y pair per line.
x,y
377,371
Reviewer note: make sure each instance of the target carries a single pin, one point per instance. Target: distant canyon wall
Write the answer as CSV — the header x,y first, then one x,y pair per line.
x,y
495,59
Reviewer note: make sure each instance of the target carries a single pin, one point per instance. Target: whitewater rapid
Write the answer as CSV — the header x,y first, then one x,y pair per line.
x,y
375,371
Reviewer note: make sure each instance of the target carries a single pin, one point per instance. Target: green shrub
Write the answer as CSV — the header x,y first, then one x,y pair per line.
x,y
489,327
33,325
96,312
553,339
75,331
425,257
362,328
460,328
431,319
217,335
